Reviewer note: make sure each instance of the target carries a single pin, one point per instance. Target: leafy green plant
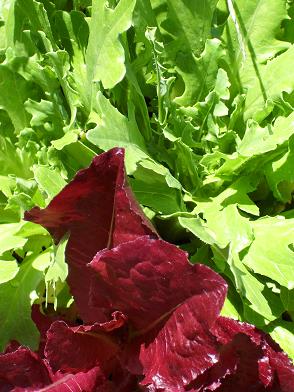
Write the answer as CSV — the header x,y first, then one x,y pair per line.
x,y
200,96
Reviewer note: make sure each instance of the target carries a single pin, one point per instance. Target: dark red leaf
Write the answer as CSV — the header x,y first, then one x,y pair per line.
x,y
236,369
44,321
283,368
181,350
12,346
94,381
153,283
147,279
99,210
81,348
90,381
22,368
269,367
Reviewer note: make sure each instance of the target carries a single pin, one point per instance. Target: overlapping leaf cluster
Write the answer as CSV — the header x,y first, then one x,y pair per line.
x,y
146,319
201,96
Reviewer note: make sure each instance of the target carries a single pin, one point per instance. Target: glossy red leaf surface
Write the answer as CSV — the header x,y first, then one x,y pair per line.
x,y
147,279
22,369
90,381
151,319
99,211
83,347
275,370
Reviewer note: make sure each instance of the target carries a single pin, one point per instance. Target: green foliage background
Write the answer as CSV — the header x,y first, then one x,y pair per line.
x,y
201,96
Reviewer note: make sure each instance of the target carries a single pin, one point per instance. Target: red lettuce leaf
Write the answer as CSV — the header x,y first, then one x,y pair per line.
x,y
147,279
227,357
172,356
153,318
83,347
90,381
156,287
237,368
44,321
23,369
275,370
94,380
99,210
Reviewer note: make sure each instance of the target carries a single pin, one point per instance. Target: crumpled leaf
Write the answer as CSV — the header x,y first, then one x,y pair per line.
x,y
153,269
251,150
272,367
93,346
22,368
82,381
